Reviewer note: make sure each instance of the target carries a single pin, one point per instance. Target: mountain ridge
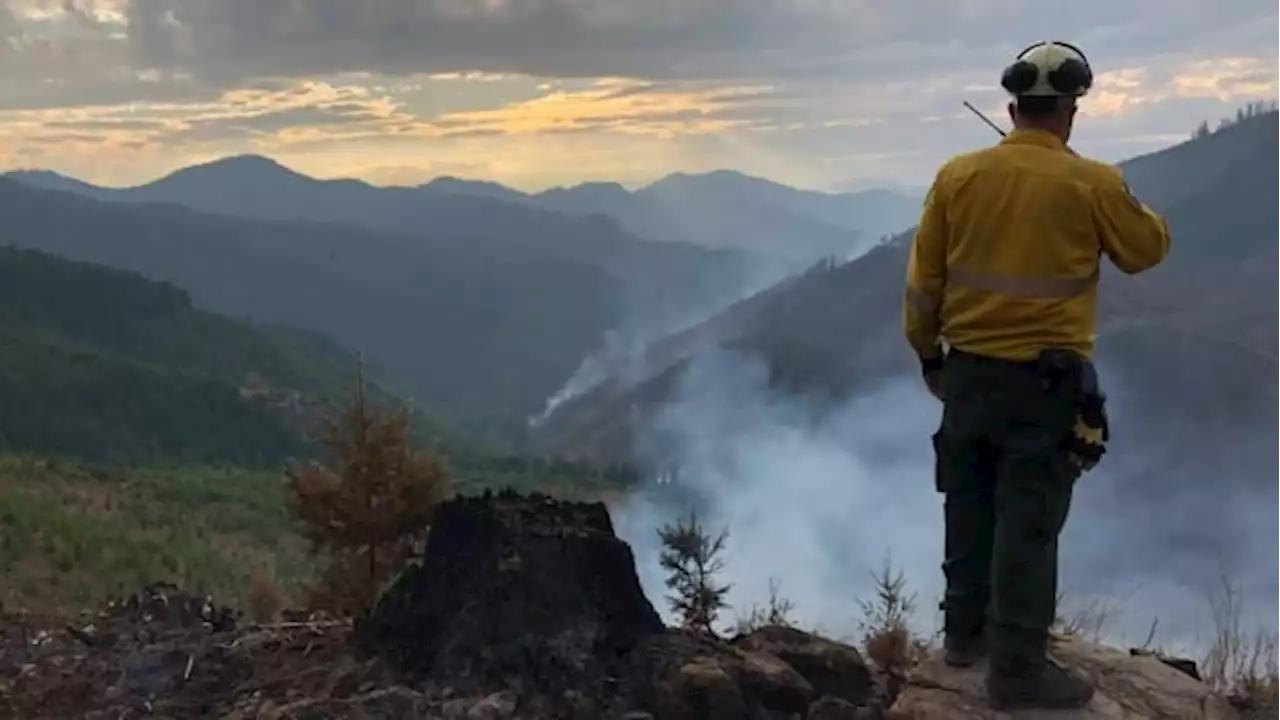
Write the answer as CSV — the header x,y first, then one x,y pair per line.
x,y
699,209
806,328
388,296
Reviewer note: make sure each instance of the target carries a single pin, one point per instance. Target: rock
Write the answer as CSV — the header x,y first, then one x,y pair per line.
x,y
579,706
1183,665
153,671
704,690
729,683
774,684
1128,688
515,591
830,707
454,709
498,706
831,668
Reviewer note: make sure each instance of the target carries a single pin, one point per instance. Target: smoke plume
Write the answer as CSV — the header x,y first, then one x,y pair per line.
x,y
818,497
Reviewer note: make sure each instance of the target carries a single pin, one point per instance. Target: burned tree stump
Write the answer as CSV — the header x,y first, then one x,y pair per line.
x,y
515,591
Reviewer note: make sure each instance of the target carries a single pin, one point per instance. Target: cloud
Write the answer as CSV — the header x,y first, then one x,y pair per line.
x,y
260,111
223,43
615,105
811,92
227,40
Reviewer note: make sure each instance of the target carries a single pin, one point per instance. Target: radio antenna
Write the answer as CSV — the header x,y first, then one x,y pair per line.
x,y
985,119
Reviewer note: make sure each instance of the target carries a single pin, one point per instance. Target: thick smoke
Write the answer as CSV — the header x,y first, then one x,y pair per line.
x,y
818,498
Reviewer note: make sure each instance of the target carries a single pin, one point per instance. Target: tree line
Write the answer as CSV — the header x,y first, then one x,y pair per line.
x,y
1252,110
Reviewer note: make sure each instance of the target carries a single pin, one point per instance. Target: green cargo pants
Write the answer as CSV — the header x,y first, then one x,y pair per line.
x,y
1007,483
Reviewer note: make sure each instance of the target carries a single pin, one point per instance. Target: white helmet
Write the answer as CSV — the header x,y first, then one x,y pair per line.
x,y
1048,69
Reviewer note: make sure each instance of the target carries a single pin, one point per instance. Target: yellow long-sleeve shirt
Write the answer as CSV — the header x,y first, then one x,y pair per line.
x,y
1006,258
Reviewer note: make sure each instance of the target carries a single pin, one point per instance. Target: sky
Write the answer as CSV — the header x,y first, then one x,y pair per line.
x,y
821,94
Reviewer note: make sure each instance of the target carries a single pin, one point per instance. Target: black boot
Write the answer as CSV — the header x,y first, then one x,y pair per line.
x,y
964,650
1048,688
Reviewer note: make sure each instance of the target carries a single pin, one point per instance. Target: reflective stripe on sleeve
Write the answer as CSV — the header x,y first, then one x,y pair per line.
x,y
921,302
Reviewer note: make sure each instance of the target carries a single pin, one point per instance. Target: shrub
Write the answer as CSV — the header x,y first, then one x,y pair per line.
x,y
263,598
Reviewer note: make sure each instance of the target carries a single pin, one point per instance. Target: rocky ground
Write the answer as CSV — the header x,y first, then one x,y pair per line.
x,y
523,607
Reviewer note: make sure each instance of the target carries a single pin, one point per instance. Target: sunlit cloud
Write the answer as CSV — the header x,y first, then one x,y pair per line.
x,y
121,90
614,105
1228,79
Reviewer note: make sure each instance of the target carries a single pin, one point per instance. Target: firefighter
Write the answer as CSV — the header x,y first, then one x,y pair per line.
x,y
1003,273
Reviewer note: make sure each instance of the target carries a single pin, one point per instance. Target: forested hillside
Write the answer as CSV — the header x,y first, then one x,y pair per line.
x,y
102,364
835,331
142,438
470,314
481,338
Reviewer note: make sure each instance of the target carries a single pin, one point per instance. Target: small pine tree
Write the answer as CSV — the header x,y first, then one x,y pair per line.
x,y
369,511
887,639
692,558
1202,130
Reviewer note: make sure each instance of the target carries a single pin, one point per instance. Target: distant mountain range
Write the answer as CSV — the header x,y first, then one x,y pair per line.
x,y
1197,333
727,209
478,299
720,210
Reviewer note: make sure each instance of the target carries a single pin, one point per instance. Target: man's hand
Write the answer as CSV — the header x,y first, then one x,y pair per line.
x,y
931,368
933,381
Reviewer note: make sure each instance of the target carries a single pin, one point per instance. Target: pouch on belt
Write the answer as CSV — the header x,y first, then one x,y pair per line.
x,y
1074,377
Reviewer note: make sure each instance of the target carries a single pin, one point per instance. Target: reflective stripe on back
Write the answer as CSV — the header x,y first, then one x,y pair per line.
x,y
1022,286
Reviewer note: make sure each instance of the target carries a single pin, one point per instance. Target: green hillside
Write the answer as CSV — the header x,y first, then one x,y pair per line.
x,y
74,534
105,365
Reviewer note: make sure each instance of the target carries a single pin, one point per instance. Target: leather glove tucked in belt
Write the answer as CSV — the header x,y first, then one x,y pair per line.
x,y
1088,443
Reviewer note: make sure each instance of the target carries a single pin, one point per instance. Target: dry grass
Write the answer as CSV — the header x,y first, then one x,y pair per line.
x,y
1087,622
776,612
1240,663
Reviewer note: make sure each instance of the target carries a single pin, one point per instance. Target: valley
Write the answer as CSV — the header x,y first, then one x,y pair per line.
x,y
168,352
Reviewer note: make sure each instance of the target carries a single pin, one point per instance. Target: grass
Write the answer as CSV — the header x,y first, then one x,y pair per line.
x,y
776,612
73,535
1241,663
